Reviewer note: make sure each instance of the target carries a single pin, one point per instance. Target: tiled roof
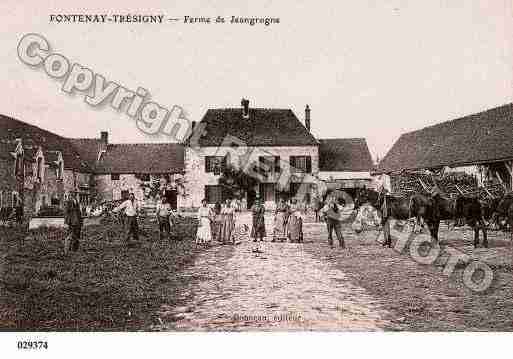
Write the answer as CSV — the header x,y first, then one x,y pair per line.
x,y
142,158
32,136
483,137
344,154
87,148
264,127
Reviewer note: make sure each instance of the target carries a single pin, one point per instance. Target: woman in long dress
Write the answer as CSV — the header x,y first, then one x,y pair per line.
x,y
295,223
204,233
227,223
258,228
280,221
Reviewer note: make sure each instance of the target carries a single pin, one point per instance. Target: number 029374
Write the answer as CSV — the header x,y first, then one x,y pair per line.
x,y
32,345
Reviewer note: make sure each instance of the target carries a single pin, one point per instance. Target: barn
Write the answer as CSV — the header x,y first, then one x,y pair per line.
x,y
480,144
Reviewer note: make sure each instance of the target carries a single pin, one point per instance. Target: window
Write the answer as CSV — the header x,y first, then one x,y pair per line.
x,y
114,176
270,164
125,194
143,176
29,169
59,171
40,169
267,192
214,194
301,164
18,165
215,164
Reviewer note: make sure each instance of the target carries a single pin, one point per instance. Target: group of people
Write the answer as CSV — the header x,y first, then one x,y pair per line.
x,y
131,209
218,223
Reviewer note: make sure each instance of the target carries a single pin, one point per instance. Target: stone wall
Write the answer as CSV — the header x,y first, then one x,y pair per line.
x,y
196,178
7,181
110,190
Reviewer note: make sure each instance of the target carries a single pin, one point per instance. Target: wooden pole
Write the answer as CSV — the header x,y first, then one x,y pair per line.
x,y
497,174
509,167
424,186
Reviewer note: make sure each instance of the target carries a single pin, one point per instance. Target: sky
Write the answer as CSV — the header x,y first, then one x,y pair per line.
x,y
367,68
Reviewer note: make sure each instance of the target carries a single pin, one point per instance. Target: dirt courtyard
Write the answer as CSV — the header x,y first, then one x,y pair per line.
x,y
180,286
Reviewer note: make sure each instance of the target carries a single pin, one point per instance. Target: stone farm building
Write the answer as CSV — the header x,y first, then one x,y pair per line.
x,y
38,167
480,144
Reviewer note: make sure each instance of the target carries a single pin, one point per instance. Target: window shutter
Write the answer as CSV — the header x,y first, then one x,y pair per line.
x,y
308,164
277,164
207,167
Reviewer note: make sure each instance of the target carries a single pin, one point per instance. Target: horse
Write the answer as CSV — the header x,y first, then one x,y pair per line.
x,y
470,209
390,206
504,212
438,208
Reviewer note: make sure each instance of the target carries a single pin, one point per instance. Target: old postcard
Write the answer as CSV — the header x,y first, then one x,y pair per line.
x,y
276,167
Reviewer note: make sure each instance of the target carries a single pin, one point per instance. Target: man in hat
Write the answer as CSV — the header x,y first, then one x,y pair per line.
x,y
131,209
258,212
332,212
74,221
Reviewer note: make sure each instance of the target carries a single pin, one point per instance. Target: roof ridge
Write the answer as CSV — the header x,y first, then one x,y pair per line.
x,y
251,108
342,138
33,126
144,143
465,117
83,138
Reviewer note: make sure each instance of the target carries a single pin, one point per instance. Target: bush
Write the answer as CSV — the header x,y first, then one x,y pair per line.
x,y
50,211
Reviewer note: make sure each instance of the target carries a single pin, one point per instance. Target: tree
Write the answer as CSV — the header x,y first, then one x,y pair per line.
x,y
236,181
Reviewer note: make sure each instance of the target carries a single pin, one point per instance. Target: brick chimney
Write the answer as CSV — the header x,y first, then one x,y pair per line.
x,y
245,108
307,117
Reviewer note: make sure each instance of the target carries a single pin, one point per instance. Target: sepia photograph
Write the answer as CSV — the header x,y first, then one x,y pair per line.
x,y
276,178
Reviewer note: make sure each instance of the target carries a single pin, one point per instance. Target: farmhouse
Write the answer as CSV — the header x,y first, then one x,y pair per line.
x,y
289,159
480,144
